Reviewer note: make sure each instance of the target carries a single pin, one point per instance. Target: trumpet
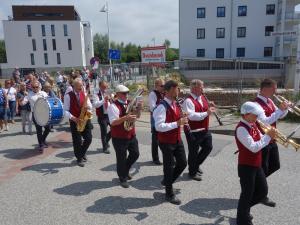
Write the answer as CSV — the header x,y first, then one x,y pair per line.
x,y
279,137
292,108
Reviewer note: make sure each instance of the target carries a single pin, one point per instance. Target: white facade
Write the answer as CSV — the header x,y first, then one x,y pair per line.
x,y
255,22
19,44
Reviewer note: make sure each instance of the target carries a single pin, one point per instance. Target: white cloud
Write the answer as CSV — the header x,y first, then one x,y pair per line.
x,y
136,21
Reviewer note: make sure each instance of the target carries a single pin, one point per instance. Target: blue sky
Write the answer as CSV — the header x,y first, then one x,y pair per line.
x,y
136,21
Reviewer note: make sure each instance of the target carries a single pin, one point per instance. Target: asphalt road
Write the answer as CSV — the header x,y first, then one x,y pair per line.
x,y
50,189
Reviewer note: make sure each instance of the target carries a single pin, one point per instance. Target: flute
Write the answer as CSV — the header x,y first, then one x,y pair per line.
x,y
215,114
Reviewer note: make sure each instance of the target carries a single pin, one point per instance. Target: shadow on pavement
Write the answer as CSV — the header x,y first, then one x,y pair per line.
x,y
136,167
119,205
69,155
19,153
4,134
149,183
48,168
211,208
84,188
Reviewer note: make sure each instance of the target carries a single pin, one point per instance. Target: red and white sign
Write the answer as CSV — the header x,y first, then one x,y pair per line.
x,y
153,54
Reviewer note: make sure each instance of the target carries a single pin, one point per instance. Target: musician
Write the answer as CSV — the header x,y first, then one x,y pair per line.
x,y
33,97
73,104
269,115
167,117
250,143
154,99
122,139
198,109
101,102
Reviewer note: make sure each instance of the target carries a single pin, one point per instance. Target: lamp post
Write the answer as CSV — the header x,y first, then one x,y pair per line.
x,y
105,10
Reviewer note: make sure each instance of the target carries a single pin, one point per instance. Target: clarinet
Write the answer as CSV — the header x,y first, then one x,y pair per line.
x,y
179,102
215,114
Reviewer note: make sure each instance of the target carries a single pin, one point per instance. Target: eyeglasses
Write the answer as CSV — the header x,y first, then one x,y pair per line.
x,y
35,87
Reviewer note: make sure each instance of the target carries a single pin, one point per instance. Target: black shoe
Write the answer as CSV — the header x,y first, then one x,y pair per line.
x,y
80,163
200,171
266,201
196,177
124,184
157,162
84,159
41,148
106,151
173,199
45,144
129,177
163,183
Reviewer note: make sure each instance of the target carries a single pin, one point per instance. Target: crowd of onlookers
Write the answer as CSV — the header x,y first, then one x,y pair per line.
x,y
13,92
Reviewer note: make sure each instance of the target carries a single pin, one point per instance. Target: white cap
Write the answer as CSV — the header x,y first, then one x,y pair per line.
x,y
121,88
251,107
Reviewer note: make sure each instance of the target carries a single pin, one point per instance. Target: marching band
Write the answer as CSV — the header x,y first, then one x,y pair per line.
x,y
258,152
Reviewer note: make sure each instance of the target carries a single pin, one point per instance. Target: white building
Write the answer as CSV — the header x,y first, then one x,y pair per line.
x,y
47,37
237,28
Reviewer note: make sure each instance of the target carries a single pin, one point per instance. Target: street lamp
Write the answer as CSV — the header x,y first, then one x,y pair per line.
x,y
105,10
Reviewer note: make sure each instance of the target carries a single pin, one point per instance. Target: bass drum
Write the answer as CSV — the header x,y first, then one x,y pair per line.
x,y
48,111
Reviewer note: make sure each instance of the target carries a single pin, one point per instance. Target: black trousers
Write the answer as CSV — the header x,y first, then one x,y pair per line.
x,y
171,172
80,147
270,159
154,145
41,136
125,162
105,137
254,188
196,156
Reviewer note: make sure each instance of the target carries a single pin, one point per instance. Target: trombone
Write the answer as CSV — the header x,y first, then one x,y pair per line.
x,y
292,106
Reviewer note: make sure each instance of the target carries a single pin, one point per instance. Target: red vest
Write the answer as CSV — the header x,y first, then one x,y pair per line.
x,y
246,157
194,125
100,110
119,131
268,108
171,136
75,106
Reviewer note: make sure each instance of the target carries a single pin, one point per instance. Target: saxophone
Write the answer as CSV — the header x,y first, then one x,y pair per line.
x,y
130,108
85,115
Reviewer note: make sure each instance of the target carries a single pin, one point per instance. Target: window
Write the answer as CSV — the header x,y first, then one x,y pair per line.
x,y
29,30
69,44
268,30
242,11
221,12
43,30
65,30
268,52
220,53
46,58
32,58
201,13
33,45
201,52
45,44
201,33
54,44
220,33
52,30
58,58
240,52
241,32
270,9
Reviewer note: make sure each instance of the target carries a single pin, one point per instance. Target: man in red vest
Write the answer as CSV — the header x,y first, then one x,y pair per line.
x,y
198,109
73,103
167,117
101,103
122,139
154,99
269,115
250,142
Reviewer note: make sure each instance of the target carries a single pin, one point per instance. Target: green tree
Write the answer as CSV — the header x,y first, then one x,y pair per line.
x,y
171,53
101,47
3,58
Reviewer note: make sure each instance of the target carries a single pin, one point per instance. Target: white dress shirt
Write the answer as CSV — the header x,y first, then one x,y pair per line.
x,y
278,114
159,116
152,99
98,103
33,97
67,105
113,112
189,107
247,140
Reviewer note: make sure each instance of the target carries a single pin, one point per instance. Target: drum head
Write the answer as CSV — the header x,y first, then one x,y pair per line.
x,y
41,112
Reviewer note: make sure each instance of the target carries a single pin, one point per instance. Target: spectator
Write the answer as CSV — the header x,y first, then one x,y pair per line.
x,y
24,108
11,96
16,75
3,107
